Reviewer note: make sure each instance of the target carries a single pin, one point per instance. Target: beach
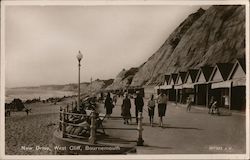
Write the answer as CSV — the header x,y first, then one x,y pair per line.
x,y
34,131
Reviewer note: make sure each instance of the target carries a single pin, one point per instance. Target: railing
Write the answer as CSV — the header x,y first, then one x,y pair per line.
x,y
64,122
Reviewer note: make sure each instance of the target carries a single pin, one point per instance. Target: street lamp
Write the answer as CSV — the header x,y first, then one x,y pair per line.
x,y
79,58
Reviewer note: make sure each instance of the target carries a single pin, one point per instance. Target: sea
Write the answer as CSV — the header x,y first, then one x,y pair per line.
x,y
31,93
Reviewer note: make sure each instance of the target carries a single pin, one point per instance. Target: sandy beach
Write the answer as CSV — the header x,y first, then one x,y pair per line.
x,y
35,130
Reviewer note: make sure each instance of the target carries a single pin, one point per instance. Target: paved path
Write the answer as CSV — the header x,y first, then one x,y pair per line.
x,y
194,132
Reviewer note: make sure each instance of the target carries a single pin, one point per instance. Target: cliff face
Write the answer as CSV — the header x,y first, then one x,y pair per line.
x,y
123,79
96,86
205,37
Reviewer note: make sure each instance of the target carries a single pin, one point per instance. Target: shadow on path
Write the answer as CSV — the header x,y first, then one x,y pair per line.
x,y
155,125
172,127
118,140
198,112
158,147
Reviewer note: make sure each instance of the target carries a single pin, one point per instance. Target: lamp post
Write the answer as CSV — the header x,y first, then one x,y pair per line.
x,y
79,58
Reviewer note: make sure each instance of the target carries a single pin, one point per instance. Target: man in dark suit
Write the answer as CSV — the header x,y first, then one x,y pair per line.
x,y
139,103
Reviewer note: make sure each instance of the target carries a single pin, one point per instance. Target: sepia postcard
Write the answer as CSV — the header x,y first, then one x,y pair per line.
x,y
124,79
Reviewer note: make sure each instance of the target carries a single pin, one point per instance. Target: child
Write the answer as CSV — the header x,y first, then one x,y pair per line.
x,y
210,104
151,109
189,104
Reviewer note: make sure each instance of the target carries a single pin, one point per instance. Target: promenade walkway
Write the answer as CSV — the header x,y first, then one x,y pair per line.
x,y
195,132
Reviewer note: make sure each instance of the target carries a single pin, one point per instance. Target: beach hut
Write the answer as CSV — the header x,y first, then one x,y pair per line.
x,y
158,88
238,78
188,86
178,86
170,87
138,89
202,87
220,86
166,80
163,86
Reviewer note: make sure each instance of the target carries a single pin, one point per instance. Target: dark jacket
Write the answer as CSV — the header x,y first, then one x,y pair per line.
x,y
108,103
139,103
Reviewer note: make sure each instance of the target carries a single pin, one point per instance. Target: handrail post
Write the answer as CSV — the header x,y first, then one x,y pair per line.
x,y
92,137
63,124
67,112
60,123
76,104
140,129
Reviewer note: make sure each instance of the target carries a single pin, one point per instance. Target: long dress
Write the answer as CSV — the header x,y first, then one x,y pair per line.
x,y
126,105
108,105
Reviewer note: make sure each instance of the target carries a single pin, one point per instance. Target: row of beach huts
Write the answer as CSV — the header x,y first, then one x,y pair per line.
x,y
226,82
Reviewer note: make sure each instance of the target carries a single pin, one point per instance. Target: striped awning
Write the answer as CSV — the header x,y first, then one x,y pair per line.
x,y
188,85
223,84
178,86
239,82
197,83
168,87
163,87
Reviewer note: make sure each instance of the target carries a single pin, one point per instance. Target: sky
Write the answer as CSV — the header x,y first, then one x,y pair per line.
x,y
42,41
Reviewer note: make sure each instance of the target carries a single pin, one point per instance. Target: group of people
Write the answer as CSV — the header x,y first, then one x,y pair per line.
x,y
160,101
213,107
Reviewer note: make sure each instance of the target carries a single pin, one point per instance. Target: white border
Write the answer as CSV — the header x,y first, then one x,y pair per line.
x,y
2,86
129,2
123,2
247,82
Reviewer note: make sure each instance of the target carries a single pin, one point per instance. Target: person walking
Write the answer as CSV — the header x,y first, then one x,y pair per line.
x,y
215,108
139,103
162,106
125,110
108,105
210,104
151,109
115,99
27,110
189,104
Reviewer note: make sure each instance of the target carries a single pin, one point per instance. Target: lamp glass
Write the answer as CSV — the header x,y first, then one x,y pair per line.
x,y
79,56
